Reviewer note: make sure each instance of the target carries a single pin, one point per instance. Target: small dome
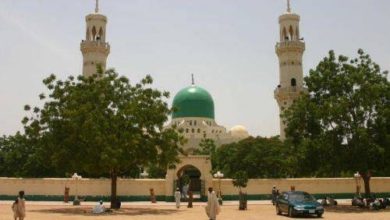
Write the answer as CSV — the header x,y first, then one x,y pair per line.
x,y
193,101
239,131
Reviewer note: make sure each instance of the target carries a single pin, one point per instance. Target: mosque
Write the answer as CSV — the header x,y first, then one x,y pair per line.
x,y
194,114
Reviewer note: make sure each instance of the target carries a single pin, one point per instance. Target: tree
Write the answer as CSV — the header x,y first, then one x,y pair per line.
x,y
240,180
103,126
207,147
258,157
343,123
18,158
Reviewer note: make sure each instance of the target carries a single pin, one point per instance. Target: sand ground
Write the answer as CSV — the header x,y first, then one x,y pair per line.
x,y
167,211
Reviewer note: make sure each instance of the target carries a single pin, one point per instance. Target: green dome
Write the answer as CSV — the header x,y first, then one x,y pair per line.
x,y
193,101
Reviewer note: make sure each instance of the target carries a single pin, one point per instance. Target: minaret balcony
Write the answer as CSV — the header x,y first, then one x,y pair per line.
x,y
293,91
290,45
89,46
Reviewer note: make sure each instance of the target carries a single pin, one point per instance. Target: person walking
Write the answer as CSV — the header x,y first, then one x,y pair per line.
x,y
20,207
177,197
212,208
274,194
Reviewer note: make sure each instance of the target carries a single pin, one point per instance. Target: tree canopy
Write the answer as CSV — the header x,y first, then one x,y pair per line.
x,y
258,157
342,125
102,126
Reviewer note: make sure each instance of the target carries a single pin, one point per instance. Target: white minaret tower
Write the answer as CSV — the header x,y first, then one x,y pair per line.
x,y
94,48
289,49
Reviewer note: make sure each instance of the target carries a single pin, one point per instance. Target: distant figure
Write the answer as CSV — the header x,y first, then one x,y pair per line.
x,y
99,208
185,190
177,197
20,210
274,194
332,201
190,198
212,208
324,202
15,208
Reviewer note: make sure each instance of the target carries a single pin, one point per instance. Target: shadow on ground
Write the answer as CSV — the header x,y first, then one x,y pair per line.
x,y
87,211
352,209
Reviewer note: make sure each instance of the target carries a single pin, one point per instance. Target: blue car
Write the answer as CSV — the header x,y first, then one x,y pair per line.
x,y
298,203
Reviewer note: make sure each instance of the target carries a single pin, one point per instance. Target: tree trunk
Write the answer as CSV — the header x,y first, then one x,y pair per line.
x,y
114,177
366,179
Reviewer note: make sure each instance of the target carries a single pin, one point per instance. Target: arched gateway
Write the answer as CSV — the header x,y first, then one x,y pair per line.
x,y
194,168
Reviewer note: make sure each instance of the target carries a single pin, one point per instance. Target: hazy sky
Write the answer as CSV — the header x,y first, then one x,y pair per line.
x,y
228,44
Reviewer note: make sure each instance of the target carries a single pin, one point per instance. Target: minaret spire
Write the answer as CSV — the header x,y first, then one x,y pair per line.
x,y
288,6
97,6
192,79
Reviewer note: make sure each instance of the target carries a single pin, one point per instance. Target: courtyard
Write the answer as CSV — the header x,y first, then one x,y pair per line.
x,y
164,211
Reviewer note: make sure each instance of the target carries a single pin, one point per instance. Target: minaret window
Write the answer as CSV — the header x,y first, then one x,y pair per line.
x,y
293,82
285,37
93,33
291,32
100,36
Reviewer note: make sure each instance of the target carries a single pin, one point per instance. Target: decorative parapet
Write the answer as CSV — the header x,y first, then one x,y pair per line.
x,y
295,45
287,92
92,46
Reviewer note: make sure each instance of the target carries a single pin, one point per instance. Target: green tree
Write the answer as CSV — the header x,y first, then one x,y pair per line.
x,y
240,180
258,157
18,158
342,125
103,126
207,147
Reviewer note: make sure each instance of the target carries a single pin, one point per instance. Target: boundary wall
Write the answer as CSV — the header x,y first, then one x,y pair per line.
x,y
52,189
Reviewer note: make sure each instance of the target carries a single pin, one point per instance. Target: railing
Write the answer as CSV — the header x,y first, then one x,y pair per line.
x,y
292,89
288,43
95,43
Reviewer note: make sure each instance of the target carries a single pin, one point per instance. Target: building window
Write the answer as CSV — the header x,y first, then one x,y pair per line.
x,y
193,130
293,82
195,123
186,130
198,130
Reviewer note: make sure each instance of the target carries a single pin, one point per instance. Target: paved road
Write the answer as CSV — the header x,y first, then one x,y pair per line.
x,y
166,211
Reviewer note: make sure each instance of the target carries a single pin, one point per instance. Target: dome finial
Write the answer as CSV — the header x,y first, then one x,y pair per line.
x,y
288,6
192,79
97,6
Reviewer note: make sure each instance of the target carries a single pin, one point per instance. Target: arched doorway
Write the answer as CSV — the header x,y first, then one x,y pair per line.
x,y
189,179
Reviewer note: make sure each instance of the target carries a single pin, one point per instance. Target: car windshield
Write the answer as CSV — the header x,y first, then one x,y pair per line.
x,y
301,197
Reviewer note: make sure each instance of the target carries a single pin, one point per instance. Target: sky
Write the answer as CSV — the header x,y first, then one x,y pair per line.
x,y
228,45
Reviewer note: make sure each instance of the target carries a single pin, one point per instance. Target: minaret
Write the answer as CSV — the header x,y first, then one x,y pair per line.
x,y
94,48
289,49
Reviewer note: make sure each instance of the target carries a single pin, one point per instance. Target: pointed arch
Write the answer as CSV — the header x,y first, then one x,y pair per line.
x,y
101,34
291,32
284,34
297,33
93,33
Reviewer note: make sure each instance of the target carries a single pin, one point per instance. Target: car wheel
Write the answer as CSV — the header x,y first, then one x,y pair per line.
x,y
290,212
319,215
278,212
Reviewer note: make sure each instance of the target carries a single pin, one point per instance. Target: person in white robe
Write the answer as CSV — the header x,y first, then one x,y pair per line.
x,y
99,208
177,197
212,208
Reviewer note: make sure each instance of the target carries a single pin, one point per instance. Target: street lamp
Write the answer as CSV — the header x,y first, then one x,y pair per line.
x,y
219,176
357,179
144,174
76,200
